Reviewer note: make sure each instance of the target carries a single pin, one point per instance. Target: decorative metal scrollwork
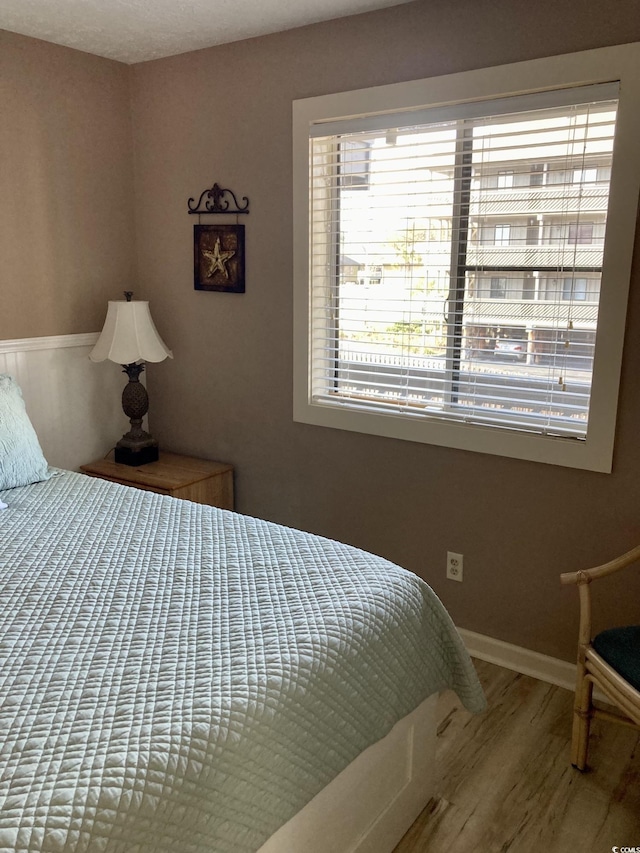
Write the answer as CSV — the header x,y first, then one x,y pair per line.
x,y
215,200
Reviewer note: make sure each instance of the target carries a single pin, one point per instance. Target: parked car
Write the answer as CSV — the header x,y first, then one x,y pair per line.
x,y
510,348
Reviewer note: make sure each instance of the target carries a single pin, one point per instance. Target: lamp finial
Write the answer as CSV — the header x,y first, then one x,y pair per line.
x,y
128,294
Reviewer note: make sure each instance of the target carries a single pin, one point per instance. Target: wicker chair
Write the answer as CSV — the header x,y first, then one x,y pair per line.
x,y
610,662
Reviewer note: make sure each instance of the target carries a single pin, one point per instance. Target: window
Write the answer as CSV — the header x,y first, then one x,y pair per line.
x,y
581,232
533,231
425,355
498,288
574,288
502,235
354,165
536,177
505,179
585,176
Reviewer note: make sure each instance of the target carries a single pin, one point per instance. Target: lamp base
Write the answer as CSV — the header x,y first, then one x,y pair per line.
x,y
127,456
136,447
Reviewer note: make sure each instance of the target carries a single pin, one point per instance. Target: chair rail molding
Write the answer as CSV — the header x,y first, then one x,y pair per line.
x,y
49,342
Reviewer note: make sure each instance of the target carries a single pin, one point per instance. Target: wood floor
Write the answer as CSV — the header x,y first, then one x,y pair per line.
x,y
507,784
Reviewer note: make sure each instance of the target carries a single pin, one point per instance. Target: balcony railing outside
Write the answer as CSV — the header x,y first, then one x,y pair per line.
x,y
529,312
548,200
566,255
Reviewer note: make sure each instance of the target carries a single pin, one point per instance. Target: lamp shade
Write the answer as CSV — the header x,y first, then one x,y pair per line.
x,y
129,335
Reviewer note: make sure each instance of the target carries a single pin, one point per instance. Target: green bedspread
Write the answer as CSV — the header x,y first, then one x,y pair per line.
x,y
175,677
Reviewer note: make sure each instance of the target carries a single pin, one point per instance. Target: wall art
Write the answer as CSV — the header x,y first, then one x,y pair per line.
x,y
219,258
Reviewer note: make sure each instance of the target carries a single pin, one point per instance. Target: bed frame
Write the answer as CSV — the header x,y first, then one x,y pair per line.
x,y
373,802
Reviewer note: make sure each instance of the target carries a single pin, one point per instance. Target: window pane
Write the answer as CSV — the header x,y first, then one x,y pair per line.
x,y
505,179
498,288
581,233
438,254
503,235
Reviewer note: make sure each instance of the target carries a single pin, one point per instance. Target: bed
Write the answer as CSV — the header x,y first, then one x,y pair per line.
x,y
175,677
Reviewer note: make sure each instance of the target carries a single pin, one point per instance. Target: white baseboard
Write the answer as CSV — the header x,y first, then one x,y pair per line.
x,y
545,668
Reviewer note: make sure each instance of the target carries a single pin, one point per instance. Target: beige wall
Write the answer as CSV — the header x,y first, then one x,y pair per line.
x,y
224,114
66,202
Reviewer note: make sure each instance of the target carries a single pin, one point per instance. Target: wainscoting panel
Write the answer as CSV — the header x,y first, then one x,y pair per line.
x,y
73,403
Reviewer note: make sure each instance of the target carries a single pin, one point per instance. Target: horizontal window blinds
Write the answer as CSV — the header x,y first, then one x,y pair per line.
x,y
455,264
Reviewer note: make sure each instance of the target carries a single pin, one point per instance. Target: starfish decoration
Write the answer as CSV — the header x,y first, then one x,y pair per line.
x,y
217,260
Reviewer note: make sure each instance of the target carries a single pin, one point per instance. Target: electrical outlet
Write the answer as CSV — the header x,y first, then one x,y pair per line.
x,y
454,566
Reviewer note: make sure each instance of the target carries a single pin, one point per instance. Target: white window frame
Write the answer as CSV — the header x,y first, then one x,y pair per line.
x,y
595,452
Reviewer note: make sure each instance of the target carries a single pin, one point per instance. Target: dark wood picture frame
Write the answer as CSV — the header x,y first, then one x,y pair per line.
x,y
218,255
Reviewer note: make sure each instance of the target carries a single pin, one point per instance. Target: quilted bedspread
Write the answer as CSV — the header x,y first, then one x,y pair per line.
x,y
179,678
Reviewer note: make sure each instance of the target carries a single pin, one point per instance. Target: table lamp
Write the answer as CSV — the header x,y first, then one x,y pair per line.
x,y
130,338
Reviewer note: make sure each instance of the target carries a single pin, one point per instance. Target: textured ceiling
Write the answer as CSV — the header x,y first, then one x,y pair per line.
x,y
137,30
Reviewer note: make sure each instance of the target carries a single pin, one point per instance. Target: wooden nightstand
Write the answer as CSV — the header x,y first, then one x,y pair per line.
x,y
198,480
